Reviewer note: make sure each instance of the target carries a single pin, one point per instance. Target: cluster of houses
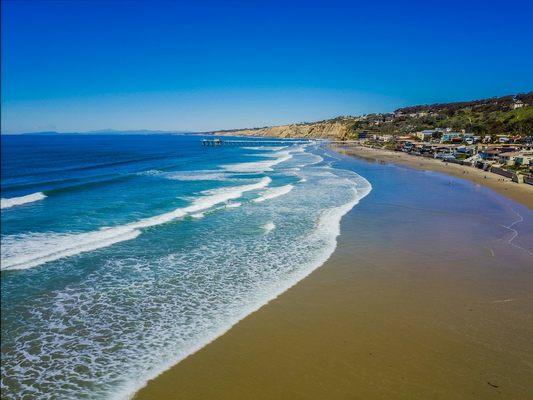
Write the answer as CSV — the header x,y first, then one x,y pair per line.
x,y
446,135
402,114
510,156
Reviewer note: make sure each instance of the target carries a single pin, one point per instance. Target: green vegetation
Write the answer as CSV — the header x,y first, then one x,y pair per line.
x,y
515,122
492,116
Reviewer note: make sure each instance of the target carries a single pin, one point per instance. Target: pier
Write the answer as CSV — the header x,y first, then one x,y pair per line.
x,y
250,142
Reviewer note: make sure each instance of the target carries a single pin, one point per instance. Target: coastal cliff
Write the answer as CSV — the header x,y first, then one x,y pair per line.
x,y
338,128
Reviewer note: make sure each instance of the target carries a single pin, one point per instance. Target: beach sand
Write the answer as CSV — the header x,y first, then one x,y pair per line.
x,y
522,193
419,301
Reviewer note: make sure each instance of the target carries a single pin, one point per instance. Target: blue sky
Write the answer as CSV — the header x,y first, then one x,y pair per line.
x,y
204,65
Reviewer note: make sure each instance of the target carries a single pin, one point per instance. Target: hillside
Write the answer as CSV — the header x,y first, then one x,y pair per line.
x,y
511,114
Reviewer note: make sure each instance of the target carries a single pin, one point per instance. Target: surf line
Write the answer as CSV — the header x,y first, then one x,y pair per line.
x,y
64,245
18,201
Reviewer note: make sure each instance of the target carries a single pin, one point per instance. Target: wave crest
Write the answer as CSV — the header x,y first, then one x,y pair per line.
x,y
26,251
17,201
273,193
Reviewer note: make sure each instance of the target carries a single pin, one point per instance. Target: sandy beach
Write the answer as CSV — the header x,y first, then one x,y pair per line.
x,y
521,193
427,296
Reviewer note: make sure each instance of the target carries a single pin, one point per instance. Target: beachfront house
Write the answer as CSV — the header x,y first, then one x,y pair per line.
x,y
508,158
426,135
385,138
449,137
524,159
490,154
470,138
465,150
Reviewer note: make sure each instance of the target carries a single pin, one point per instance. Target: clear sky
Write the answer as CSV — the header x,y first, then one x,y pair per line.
x,y
204,65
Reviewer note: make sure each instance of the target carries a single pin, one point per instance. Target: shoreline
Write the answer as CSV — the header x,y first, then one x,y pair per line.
x,y
335,221
521,193
328,336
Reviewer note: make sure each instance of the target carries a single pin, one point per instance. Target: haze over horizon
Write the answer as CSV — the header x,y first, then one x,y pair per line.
x,y
74,66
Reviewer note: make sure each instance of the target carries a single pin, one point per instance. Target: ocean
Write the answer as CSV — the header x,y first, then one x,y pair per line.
x,y
122,255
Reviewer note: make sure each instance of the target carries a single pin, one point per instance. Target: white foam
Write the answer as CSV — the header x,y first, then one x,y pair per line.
x,y
198,215
269,226
233,205
208,175
26,251
273,193
150,172
326,233
259,166
198,175
313,160
271,148
17,201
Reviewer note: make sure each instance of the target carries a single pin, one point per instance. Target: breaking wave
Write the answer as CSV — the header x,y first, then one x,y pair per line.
x,y
259,166
30,250
208,175
18,201
273,193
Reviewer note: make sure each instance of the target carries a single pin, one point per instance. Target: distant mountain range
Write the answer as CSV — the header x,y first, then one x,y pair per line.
x,y
108,132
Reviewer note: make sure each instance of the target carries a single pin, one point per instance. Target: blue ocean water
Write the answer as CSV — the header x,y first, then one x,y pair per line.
x,y
121,255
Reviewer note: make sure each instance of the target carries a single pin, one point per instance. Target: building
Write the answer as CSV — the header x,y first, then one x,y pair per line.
x,y
524,159
399,114
388,118
508,158
491,154
517,104
385,138
466,150
425,135
503,138
449,136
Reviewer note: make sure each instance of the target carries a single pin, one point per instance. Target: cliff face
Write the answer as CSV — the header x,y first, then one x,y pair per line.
x,y
331,129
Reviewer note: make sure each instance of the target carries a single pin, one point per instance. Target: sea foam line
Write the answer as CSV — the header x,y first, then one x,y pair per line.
x,y
273,193
17,201
198,175
52,246
265,148
259,166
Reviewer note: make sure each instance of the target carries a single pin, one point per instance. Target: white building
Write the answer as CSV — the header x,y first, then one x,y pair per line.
x,y
517,104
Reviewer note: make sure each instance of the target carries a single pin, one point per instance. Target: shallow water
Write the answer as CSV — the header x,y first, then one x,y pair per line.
x,y
123,255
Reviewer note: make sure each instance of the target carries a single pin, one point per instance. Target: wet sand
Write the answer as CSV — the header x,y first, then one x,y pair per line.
x,y
421,300
521,193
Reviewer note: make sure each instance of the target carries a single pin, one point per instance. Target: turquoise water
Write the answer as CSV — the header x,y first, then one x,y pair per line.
x,y
121,255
